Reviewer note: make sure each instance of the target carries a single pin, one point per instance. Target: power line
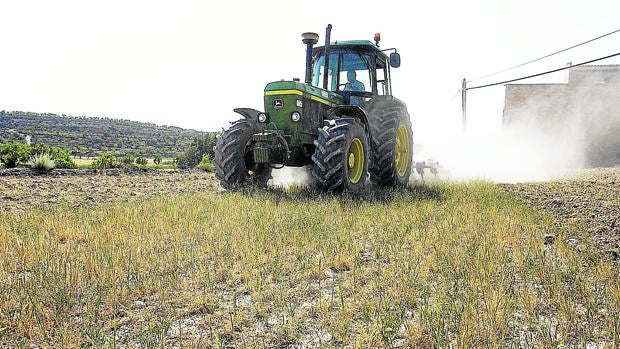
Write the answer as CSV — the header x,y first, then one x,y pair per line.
x,y
547,56
544,73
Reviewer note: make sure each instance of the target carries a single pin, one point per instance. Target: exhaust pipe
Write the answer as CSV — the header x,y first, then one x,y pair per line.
x,y
328,33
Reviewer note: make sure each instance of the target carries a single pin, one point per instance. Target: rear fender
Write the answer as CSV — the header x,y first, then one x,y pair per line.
x,y
381,102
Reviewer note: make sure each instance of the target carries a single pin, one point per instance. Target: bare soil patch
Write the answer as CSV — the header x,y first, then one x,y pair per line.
x,y
591,197
24,188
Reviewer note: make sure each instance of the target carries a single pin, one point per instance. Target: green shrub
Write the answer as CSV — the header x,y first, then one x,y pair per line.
x,y
141,160
13,153
42,162
206,164
64,162
202,144
182,161
61,157
157,159
106,160
128,160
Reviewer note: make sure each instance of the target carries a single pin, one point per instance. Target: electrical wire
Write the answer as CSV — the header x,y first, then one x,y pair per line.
x,y
546,56
544,73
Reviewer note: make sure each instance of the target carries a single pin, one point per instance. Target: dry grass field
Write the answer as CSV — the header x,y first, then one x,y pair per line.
x,y
149,259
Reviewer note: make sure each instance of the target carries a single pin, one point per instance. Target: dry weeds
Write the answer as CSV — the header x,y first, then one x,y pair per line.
x,y
446,265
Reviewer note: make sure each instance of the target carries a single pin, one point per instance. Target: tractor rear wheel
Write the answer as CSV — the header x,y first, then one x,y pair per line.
x,y
341,156
234,161
392,147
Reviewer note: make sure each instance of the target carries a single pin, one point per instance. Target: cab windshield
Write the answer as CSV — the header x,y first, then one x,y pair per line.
x,y
348,71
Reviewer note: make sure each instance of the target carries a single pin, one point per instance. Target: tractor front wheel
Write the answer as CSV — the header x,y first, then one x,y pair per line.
x,y
234,162
341,156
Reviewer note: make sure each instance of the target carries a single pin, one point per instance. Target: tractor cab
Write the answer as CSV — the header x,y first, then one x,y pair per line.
x,y
358,70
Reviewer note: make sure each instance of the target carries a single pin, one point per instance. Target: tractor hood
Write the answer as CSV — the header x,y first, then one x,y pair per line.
x,y
303,90
296,109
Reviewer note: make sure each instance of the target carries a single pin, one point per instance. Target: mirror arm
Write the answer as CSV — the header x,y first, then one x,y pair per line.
x,y
390,49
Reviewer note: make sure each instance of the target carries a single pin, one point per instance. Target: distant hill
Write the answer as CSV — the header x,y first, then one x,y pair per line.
x,y
86,136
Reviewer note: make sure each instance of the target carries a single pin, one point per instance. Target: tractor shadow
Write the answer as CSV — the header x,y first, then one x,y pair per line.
x,y
374,195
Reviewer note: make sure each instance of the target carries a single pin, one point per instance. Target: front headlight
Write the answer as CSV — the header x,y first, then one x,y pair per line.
x,y
295,116
262,117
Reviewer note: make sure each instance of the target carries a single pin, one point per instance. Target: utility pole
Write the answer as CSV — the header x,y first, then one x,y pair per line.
x,y
464,103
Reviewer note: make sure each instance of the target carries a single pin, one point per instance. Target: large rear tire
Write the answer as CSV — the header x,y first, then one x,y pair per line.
x,y
392,143
341,157
234,162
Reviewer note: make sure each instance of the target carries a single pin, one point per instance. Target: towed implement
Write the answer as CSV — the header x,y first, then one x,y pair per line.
x,y
342,121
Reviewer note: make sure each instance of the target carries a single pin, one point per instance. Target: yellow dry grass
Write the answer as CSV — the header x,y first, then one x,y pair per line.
x,y
449,265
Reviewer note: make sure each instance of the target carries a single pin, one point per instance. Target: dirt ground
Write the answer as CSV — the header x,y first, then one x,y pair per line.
x,y
24,188
592,197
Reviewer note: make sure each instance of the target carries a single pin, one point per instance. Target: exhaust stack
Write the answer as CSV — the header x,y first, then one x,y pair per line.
x,y
328,34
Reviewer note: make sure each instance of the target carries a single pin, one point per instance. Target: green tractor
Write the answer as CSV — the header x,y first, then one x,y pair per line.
x,y
342,121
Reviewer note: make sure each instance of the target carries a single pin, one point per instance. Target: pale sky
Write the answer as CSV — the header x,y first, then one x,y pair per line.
x,y
189,63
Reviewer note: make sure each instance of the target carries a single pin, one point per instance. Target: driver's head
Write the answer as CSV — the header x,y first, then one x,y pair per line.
x,y
351,75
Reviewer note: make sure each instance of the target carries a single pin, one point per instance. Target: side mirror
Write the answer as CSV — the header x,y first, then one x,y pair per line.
x,y
394,59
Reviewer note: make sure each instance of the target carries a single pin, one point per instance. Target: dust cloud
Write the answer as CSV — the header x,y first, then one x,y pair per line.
x,y
548,131
518,155
289,176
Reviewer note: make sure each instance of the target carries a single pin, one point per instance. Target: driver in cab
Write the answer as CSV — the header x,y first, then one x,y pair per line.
x,y
353,85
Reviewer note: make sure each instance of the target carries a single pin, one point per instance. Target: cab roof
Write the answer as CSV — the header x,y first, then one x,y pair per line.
x,y
358,44
355,42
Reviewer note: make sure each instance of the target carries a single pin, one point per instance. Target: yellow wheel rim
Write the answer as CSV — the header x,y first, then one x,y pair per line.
x,y
356,160
402,151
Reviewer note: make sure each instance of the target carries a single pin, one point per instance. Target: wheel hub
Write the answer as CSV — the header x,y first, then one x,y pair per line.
x,y
401,150
356,160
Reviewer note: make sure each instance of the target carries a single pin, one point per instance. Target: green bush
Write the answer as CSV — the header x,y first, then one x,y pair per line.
x,y
141,160
157,159
182,161
61,157
202,144
128,160
13,153
106,160
42,162
206,164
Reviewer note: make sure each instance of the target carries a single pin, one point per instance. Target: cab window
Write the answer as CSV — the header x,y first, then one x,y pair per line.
x,y
354,73
319,71
382,86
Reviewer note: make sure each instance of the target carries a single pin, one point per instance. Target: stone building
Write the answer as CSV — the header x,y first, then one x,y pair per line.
x,y
583,114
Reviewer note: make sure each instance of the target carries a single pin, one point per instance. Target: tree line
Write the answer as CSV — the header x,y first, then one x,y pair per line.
x,y
112,142
199,153
92,137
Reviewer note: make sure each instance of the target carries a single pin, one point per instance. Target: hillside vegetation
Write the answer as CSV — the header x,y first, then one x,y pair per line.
x,y
448,265
85,136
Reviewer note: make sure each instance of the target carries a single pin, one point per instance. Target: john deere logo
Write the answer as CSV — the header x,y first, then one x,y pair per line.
x,y
277,103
